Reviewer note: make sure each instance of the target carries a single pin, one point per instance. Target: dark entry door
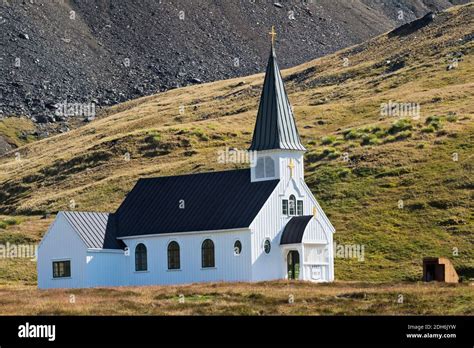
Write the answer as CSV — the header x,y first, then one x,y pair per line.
x,y
293,262
430,272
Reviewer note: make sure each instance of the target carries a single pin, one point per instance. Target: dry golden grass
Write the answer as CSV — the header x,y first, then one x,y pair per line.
x,y
266,298
28,227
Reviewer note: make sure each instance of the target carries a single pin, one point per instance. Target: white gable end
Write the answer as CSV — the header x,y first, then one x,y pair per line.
x,y
61,243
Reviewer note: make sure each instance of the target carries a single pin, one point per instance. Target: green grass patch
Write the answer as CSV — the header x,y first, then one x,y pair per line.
x,y
328,140
400,126
9,222
428,129
434,122
451,118
199,133
17,130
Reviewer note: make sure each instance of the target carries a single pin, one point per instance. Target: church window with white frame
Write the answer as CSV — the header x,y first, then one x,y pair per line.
x,y
141,258
267,246
265,168
299,207
237,247
284,207
207,254
292,205
174,261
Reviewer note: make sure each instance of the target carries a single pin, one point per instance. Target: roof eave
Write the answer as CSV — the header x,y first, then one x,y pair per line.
x,y
242,229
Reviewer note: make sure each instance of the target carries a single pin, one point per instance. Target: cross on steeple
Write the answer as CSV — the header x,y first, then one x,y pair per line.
x,y
273,34
291,165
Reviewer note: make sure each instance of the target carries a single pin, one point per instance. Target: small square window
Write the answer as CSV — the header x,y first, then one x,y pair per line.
x,y
61,269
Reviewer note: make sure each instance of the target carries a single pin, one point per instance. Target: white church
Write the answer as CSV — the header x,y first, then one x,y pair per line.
x,y
246,225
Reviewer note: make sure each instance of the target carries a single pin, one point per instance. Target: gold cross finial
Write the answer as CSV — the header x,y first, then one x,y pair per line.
x,y
273,34
291,165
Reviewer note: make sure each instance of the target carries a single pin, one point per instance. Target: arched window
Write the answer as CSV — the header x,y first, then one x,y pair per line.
x,y
292,205
207,254
237,247
140,258
173,256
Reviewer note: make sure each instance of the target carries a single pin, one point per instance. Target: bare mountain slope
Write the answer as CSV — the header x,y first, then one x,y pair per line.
x,y
105,52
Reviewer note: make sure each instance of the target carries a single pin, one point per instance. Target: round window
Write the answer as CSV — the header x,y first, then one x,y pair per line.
x,y
267,246
237,247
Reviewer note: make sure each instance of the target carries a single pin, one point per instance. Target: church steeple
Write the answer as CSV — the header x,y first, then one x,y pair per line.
x,y
275,128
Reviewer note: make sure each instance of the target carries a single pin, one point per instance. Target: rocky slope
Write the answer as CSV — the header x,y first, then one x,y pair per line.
x,y
103,52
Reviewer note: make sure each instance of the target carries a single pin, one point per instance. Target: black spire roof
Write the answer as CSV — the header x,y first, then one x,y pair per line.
x,y
275,127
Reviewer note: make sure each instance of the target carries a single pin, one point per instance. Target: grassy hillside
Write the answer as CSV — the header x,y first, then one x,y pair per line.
x,y
401,186
14,132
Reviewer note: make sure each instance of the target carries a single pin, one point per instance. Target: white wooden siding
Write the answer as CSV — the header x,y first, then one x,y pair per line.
x,y
228,267
314,232
105,268
61,242
270,222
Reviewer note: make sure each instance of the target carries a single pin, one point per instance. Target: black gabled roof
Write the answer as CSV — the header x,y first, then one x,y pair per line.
x,y
294,229
275,127
97,230
212,201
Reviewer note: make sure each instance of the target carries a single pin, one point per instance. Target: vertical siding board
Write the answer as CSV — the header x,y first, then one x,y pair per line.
x,y
105,269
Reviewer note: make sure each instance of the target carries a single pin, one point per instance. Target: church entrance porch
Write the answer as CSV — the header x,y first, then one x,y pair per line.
x,y
306,250
306,261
